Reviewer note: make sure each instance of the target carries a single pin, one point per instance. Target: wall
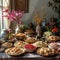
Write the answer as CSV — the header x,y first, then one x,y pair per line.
x,y
37,5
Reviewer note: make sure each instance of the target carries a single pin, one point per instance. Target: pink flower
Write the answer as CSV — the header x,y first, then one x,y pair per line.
x,y
14,15
9,30
5,10
20,22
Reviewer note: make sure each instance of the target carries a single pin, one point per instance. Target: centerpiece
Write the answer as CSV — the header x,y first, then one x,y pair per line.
x,y
38,27
14,15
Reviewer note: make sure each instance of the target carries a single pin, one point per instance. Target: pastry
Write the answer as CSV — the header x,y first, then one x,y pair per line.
x,y
40,44
53,38
29,31
30,48
20,44
53,45
45,51
7,51
30,40
7,45
15,51
20,36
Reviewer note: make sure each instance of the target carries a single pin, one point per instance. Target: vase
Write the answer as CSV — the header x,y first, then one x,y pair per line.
x,y
4,34
38,31
17,30
20,28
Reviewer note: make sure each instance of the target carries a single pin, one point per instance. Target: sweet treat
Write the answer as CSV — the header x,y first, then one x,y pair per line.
x,y
15,51
20,36
53,45
40,44
45,51
7,45
29,31
53,38
30,48
30,40
7,51
56,46
20,44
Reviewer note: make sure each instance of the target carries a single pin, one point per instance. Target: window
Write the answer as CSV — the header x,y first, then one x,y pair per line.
x,y
4,4
1,20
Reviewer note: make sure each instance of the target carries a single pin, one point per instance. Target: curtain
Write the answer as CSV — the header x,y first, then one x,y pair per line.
x,y
0,15
6,22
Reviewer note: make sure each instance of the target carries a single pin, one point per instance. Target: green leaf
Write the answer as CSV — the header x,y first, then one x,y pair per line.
x,y
58,21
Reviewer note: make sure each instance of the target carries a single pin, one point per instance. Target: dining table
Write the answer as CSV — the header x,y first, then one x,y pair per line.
x,y
28,56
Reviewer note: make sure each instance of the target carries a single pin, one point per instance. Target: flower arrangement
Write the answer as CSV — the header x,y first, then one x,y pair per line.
x,y
51,26
13,15
37,19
